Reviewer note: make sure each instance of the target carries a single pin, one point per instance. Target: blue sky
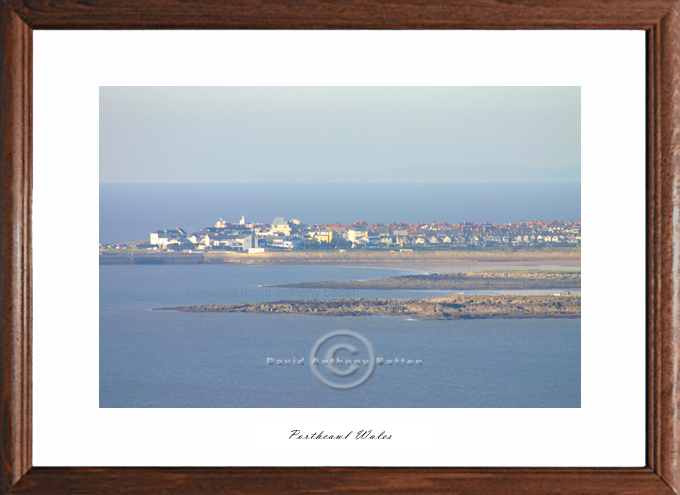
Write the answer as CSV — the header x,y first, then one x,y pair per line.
x,y
339,134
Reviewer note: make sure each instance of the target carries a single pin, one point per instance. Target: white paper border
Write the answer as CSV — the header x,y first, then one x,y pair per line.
x,y
68,427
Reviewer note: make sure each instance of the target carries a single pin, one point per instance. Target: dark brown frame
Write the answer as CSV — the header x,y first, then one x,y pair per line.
x,y
660,19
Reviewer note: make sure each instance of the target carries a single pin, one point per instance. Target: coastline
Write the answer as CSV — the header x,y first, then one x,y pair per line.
x,y
423,260
452,307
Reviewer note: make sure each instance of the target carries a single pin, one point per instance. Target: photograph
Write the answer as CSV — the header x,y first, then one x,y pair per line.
x,y
358,225
340,247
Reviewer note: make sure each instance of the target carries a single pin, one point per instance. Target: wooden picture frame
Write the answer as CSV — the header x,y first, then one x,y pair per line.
x,y
660,19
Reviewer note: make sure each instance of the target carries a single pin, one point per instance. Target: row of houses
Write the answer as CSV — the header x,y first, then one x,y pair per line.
x,y
487,240
469,236
292,234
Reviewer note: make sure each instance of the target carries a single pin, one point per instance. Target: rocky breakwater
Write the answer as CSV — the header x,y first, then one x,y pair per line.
x,y
440,308
478,280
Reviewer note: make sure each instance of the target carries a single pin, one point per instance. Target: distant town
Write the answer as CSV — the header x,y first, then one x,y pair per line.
x,y
292,234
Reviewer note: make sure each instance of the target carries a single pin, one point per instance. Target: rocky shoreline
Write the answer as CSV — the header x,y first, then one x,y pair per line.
x,y
453,307
479,280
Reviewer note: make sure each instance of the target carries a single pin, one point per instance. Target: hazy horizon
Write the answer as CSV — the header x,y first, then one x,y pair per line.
x,y
339,135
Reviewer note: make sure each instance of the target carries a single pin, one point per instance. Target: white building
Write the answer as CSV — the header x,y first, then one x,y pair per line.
x,y
162,238
237,242
354,235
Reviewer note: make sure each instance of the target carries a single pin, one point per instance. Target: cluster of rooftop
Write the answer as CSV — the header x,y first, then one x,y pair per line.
x,y
292,234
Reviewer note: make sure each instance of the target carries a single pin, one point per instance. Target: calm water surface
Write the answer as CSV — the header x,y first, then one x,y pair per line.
x,y
168,359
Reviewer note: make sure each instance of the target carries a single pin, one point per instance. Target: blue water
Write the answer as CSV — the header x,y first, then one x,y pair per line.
x,y
129,212
170,359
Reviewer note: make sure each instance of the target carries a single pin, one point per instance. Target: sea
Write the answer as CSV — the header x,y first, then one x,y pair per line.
x,y
152,358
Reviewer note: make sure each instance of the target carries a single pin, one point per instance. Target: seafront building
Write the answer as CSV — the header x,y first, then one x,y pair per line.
x,y
244,236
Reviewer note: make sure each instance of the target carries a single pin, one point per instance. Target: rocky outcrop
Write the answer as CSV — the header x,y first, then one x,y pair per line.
x,y
439,308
